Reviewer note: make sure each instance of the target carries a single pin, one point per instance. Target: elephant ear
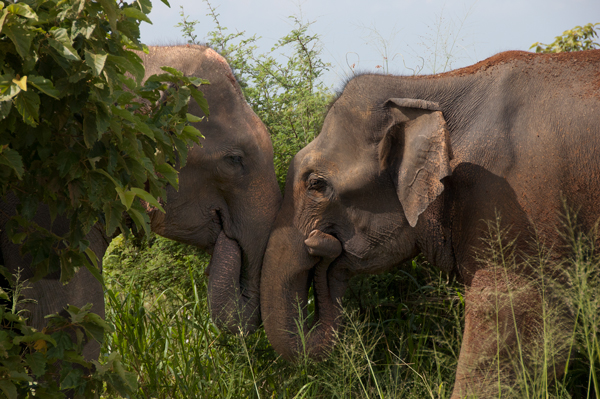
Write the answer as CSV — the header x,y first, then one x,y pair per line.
x,y
417,145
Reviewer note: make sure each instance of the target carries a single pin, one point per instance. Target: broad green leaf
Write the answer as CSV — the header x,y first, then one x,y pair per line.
x,y
200,100
103,172
44,85
95,61
169,173
123,113
9,389
126,197
166,3
73,378
172,71
139,219
90,129
69,263
5,107
148,198
110,8
182,98
2,17
23,10
191,133
33,337
63,44
144,128
28,104
145,6
193,118
133,12
93,267
37,363
113,214
20,37
12,159
81,27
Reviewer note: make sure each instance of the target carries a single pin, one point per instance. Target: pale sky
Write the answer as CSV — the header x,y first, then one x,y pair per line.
x,y
352,32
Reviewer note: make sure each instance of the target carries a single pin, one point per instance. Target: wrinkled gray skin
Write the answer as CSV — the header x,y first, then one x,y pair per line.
x,y
405,165
227,201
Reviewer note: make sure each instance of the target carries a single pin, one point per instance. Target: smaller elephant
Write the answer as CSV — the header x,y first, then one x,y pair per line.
x,y
227,201
424,164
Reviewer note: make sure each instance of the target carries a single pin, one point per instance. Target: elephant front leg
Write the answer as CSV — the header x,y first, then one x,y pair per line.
x,y
506,343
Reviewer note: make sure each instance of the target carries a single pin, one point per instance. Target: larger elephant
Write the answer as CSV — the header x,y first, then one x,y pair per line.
x,y
227,201
408,165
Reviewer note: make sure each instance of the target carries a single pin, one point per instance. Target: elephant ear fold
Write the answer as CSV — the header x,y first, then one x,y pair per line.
x,y
417,144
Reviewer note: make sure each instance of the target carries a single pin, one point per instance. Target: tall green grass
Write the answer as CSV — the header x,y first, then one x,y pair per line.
x,y
400,338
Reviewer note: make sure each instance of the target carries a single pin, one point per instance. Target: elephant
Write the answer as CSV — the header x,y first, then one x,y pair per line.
x,y
227,201
428,164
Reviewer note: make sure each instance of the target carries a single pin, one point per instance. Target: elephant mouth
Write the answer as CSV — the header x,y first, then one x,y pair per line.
x,y
220,226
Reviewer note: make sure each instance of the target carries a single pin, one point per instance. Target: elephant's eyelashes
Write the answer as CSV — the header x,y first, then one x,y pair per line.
x,y
316,183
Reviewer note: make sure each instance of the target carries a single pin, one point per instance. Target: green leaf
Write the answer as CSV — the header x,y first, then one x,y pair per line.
x,y
200,100
20,37
44,85
13,160
166,3
95,61
132,12
110,8
2,17
23,10
141,220
90,129
63,44
169,173
105,173
28,104
144,128
148,198
113,214
127,197
9,389
73,379
37,363
193,118
81,27
192,132
172,71
36,336
93,267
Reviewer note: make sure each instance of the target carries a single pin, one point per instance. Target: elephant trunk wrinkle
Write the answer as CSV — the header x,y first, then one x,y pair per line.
x,y
230,308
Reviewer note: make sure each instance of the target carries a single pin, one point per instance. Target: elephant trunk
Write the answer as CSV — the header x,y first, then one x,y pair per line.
x,y
284,300
232,307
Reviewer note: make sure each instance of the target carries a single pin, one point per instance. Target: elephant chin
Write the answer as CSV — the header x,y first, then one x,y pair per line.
x,y
231,308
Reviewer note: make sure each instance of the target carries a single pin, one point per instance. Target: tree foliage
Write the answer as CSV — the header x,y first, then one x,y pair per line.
x,y
288,96
80,134
577,39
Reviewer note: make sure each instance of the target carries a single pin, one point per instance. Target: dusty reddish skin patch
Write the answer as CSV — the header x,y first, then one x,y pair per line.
x,y
590,56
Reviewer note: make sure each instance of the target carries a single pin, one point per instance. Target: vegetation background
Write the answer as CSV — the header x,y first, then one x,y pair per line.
x,y
402,330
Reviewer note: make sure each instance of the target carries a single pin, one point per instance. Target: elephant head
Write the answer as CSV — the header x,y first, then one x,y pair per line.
x,y
228,194
354,203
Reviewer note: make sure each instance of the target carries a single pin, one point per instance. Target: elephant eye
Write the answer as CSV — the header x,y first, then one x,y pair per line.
x,y
316,183
234,159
